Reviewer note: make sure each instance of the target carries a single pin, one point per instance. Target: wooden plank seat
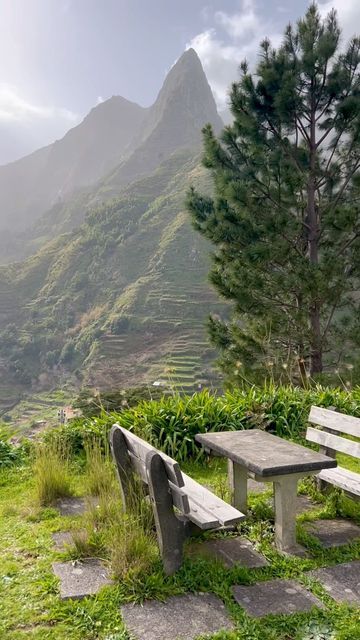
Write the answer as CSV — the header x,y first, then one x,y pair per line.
x,y
330,424
181,505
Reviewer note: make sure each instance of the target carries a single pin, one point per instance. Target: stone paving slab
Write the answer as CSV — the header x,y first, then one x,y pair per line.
x,y
62,539
333,533
65,539
71,506
80,579
179,618
74,506
274,597
303,504
231,551
342,582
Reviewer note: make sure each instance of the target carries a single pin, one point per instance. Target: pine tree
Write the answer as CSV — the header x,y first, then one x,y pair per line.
x,y
284,217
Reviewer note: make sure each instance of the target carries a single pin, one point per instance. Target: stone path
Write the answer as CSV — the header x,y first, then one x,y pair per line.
x,y
80,579
180,617
342,581
333,533
231,551
188,616
274,597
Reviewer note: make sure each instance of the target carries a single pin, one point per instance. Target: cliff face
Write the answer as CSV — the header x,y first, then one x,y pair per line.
x,y
184,105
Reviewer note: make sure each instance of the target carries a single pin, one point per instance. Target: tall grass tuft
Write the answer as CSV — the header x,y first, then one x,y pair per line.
x,y
132,538
51,473
133,547
99,473
126,539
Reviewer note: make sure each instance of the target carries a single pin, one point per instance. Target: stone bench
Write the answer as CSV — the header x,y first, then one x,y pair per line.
x,y
181,506
329,425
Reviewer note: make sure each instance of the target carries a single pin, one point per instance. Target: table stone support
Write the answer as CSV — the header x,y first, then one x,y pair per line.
x,y
285,491
238,477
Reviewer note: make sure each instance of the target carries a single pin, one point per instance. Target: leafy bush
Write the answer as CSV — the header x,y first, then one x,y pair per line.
x,y
172,422
120,325
68,352
9,453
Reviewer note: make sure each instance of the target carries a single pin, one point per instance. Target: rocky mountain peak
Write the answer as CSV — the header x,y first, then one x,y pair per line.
x,y
187,94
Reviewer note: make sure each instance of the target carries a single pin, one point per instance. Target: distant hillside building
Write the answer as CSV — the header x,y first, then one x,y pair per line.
x,y
68,413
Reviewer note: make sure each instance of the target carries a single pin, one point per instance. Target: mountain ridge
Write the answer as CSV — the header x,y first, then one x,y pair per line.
x,y
117,142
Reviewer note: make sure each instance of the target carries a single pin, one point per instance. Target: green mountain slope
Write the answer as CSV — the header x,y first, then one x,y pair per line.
x,y
121,300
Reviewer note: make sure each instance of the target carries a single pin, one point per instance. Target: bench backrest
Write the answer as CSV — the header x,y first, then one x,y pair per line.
x,y
138,451
193,500
333,424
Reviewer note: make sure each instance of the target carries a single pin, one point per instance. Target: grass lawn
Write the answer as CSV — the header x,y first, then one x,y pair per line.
x,y
30,606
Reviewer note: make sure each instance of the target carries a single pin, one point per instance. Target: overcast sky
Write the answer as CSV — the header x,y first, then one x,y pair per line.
x,y
60,57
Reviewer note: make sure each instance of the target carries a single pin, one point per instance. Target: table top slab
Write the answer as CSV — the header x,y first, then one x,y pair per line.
x,y
263,453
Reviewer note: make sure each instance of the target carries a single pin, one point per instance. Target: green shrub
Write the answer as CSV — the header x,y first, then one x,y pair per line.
x,y
172,422
68,352
9,453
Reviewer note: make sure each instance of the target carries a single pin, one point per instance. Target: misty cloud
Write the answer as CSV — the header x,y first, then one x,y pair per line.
x,y
15,108
235,37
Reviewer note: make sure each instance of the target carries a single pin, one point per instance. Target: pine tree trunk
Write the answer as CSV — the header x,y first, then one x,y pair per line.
x,y
316,364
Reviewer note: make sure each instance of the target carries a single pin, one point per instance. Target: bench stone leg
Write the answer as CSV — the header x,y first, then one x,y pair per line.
x,y
124,467
285,492
171,530
238,477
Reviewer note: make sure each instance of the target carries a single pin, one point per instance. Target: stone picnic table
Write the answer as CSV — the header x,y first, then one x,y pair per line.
x,y
267,458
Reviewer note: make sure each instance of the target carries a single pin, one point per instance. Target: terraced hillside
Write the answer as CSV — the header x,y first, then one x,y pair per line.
x,y
120,301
